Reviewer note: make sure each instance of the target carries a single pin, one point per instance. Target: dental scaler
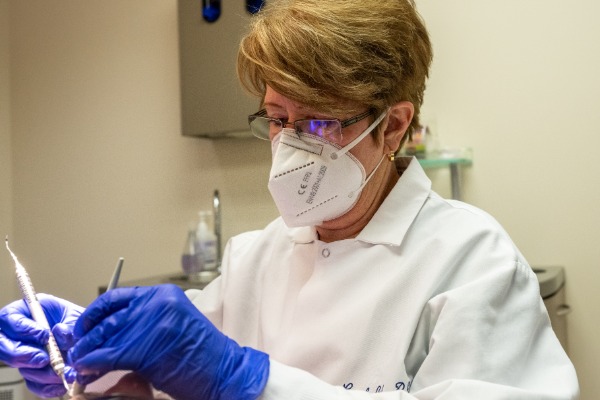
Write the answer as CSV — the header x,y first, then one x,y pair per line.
x,y
37,313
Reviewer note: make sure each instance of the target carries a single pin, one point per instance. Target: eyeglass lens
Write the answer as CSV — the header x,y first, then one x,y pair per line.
x,y
328,129
261,126
265,128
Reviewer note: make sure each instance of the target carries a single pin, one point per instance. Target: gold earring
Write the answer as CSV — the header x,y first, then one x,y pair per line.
x,y
392,156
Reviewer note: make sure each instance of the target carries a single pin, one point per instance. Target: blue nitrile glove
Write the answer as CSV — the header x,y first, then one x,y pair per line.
x,y
157,332
22,342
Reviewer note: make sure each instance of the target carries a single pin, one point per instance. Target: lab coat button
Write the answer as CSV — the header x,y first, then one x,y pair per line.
x,y
325,252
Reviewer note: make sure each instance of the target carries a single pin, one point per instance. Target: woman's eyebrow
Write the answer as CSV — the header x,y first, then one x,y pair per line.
x,y
280,107
272,105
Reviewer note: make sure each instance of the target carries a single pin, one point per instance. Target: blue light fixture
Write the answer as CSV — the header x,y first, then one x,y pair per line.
x,y
211,10
254,6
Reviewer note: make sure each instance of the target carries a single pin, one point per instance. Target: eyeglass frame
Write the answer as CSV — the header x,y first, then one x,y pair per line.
x,y
343,123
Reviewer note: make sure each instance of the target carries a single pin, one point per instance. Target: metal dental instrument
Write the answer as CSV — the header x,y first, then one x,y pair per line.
x,y
37,313
114,281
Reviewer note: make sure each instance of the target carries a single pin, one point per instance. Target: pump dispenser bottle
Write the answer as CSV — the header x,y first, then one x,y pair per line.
x,y
190,261
206,243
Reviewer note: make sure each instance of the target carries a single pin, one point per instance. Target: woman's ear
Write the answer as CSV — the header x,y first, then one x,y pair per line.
x,y
399,118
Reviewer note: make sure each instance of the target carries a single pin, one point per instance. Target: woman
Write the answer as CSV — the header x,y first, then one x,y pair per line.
x,y
369,286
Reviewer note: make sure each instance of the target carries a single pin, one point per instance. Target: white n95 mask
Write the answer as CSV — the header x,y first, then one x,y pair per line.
x,y
313,180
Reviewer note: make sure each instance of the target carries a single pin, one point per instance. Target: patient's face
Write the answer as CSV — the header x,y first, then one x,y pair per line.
x,y
130,387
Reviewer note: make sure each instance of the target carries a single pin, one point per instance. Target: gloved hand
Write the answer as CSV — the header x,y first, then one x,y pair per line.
x,y
22,342
157,332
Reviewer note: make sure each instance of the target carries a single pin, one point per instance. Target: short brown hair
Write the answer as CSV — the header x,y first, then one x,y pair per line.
x,y
336,54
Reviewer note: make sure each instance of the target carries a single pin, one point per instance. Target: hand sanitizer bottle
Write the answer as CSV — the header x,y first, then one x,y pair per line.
x,y
191,263
206,243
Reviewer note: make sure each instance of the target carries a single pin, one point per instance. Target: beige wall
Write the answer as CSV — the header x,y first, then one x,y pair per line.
x,y
100,168
8,290
100,171
518,81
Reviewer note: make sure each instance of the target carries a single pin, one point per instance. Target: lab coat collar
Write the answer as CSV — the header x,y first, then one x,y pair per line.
x,y
398,211
395,215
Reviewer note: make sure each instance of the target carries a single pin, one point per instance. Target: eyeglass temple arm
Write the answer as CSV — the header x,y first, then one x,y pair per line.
x,y
349,146
357,118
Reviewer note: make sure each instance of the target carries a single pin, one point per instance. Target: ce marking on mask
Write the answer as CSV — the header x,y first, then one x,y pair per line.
x,y
317,184
303,186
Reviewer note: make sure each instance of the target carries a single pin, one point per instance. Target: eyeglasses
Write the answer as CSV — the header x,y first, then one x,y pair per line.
x,y
265,127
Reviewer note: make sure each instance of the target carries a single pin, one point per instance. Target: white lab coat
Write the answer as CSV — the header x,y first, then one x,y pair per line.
x,y
431,301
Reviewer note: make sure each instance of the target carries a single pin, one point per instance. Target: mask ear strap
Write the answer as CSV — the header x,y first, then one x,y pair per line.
x,y
341,152
351,194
